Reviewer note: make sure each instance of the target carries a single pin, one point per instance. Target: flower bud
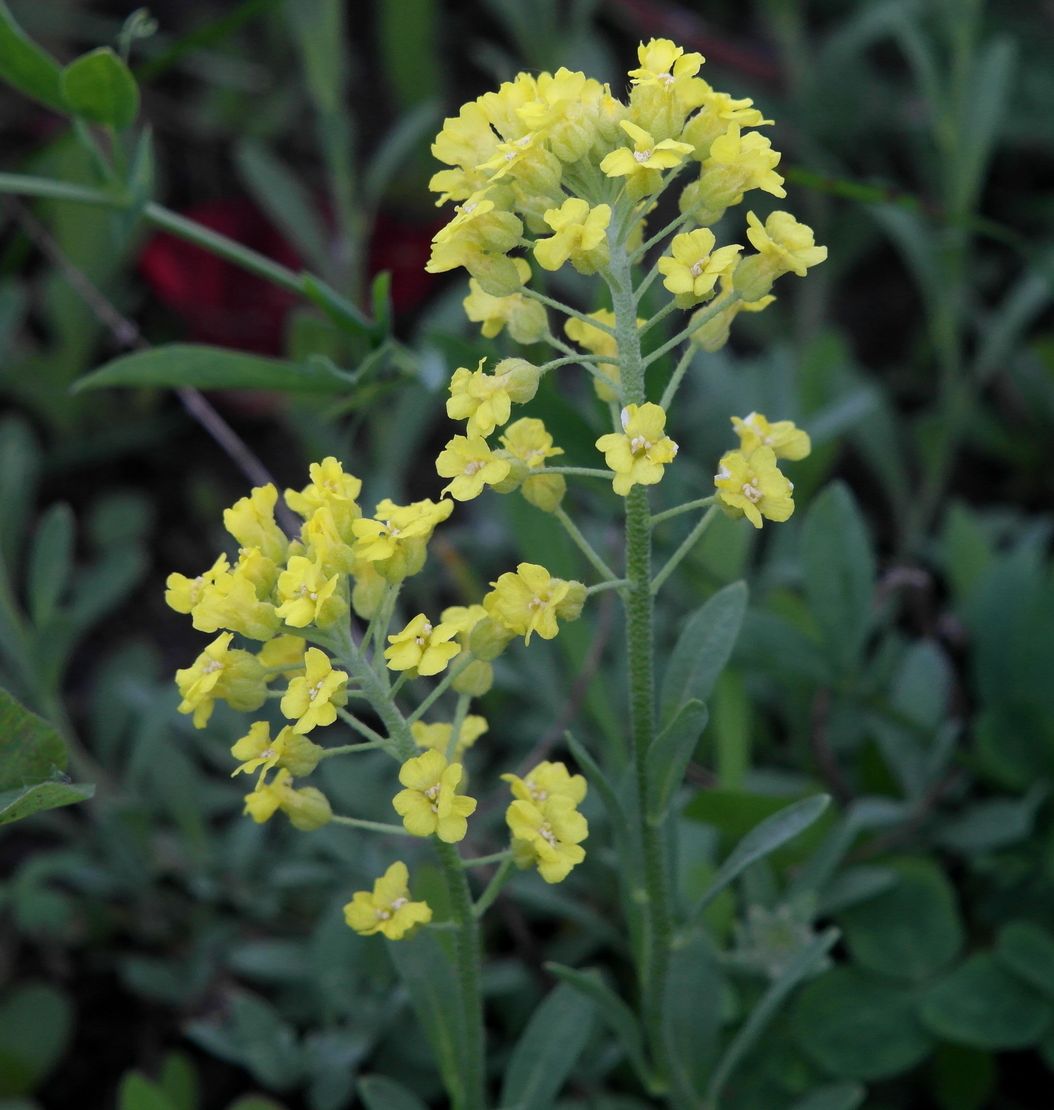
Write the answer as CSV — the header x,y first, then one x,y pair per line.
x,y
489,639
545,491
754,277
496,273
307,808
522,379
475,679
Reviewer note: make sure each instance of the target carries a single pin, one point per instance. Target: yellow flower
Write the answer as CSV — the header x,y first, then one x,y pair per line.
x,y
580,235
526,319
547,780
784,246
257,750
693,266
530,601
785,438
470,464
395,540
221,674
643,164
602,344
714,333
284,651
326,544
462,618
388,908
422,647
436,737
528,445
528,441
312,698
308,596
567,110
639,452
306,808
718,110
251,522
478,238
753,486
183,593
484,401
465,142
662,62
330,488
232,602
547,835
430,803
736,164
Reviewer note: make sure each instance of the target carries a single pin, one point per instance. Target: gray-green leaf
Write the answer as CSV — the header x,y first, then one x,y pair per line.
x,y
100,87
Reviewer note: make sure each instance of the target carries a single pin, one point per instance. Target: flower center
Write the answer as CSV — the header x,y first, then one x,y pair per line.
x,y
751,492
643,155
547,835
474,467
638,444
535,603
314,691
212,666
697,268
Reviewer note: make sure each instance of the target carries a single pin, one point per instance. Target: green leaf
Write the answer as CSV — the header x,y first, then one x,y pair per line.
x,y
100,87
1026,950
692,1012
857,1027
408,34
426,968
963,1078
138,1093
179,1081
321,36
910,931
50,562
598,781
178,365
703,649
839,568
380,1093
981,1005
669,756
24,801
547,1050
761,842
27,67
19,467
992,823
399,144
35,1025
31,751
284,199
800,968
612,1010
835,1096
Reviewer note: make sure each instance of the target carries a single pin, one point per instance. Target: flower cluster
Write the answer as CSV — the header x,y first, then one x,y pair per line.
x,y
748,481
547,829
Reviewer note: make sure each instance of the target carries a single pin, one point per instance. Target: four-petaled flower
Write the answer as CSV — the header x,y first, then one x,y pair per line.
x,y
639,452
785,438
312,698
753,486
692,268
470,464
530,600
430,804
580,234
387,908
422,647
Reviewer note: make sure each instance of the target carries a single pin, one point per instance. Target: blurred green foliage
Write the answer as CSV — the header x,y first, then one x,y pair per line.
x,y
896,649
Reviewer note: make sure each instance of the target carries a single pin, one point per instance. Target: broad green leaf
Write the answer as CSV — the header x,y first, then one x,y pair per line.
x,y
36,1020
703,649
692,1013
835,1096
912,930
1026,950
179,1081
100,87
612,1010
31,751
24,801
139,1093
284,199
804,964
992,823
981,1005
839,567
380,1093
967,550
669,755
180,365
547,1050
427,970
857,1027
26,66
763,841
50,562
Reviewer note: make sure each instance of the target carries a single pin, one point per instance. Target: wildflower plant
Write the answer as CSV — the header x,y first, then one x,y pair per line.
x,y
548,171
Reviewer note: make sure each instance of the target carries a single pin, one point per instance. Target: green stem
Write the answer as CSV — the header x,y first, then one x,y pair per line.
x,y
689,542
460,712
452,672
371,826
482,861
493,888
670,306
583,545
612,584
653,971
360,727
567,310
581,471
694,324
658,237
468,959
679,371
352,749
687,507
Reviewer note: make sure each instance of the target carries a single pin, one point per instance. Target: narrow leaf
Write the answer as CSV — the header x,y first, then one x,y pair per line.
x,y
547,1051
669,755
100,87
803,965
31,751
24,801
762,841
180,365
612,1010
380,1093
596,778
703,649
50,563
26,66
